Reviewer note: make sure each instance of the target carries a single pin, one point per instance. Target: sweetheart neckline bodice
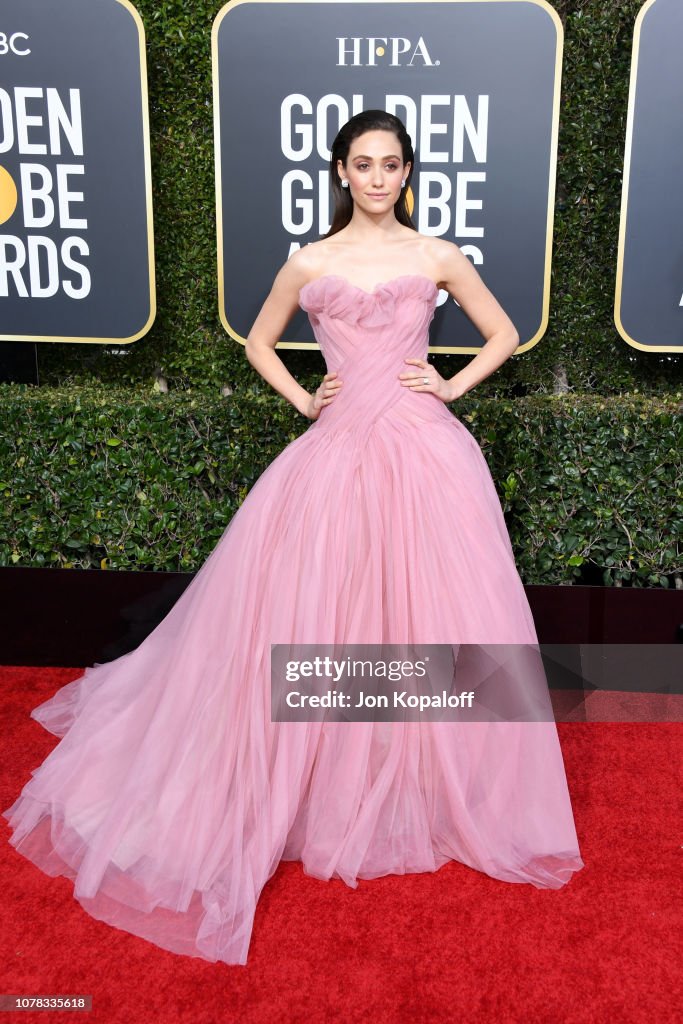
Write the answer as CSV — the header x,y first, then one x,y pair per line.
x,y
378,287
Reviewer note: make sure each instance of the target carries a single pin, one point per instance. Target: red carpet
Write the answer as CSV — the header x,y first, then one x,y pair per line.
x,y
450,946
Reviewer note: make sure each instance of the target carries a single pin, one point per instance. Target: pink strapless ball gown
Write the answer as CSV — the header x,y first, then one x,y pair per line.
x,y
172,797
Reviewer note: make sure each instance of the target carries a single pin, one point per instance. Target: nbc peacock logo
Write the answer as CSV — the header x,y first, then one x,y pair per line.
x,y
410,201
8,195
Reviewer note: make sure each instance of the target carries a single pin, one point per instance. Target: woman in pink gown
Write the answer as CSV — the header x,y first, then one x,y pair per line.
x,y
172,795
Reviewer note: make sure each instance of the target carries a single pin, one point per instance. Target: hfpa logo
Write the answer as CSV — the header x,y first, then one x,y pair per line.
x,y
359,51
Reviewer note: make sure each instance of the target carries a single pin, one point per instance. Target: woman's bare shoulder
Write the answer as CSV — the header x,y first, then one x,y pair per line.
x,y
314,256
445,256
438,248
429,253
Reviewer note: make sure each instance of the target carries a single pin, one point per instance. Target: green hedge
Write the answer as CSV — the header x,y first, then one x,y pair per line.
x,y
128,481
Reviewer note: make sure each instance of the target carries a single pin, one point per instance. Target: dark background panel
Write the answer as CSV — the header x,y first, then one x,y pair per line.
x,y
504,50
94,46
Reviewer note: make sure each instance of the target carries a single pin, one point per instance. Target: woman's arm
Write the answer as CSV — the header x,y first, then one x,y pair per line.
x,y
461,279
276,312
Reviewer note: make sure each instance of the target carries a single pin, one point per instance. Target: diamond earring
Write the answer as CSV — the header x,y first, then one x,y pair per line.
x,y
345,183
403,183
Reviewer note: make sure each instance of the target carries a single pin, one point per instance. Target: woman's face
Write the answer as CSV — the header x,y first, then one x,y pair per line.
x,y
374,170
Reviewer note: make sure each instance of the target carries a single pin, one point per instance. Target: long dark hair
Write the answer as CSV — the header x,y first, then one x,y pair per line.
x,y
367,121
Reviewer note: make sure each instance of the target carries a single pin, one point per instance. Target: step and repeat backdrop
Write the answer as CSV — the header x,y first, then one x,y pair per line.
x,y
477,86
477,83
